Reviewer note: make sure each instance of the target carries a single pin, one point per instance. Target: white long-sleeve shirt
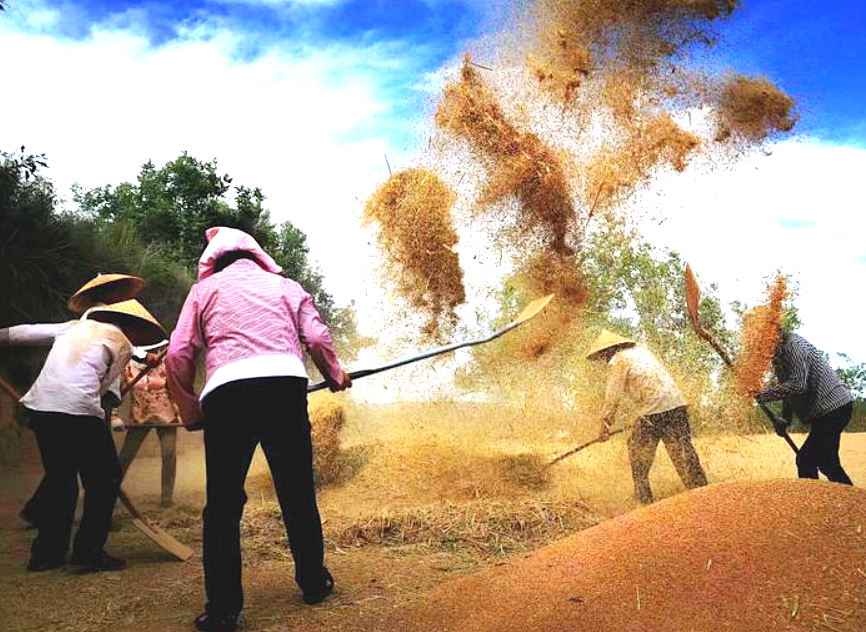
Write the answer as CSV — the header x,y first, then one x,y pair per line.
x,y
86,359
637,375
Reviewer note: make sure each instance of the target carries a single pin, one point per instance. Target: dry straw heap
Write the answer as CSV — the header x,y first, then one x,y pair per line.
x,y
760,339
412,210
631,40
753,109
521,165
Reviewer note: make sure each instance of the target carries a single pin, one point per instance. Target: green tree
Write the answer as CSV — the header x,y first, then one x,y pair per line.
x,y
854,376
171,207
639,289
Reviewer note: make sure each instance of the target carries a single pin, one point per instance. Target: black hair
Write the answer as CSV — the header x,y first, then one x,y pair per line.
x,y
224,261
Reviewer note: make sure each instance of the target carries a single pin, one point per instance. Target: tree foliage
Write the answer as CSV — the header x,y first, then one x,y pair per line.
x,y
153,228
172,206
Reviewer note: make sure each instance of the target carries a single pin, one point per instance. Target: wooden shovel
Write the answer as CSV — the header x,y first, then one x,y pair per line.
x,y
152,530
693,301
529,312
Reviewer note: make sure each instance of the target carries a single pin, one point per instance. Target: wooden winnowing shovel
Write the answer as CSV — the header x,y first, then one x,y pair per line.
x,y
693,302
153,531
529,312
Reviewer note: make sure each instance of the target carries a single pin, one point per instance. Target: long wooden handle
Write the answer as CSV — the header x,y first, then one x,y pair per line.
x,y
10,390
583,446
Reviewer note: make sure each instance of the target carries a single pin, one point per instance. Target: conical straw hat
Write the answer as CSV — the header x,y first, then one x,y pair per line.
x,y
607,339
137,323
105,288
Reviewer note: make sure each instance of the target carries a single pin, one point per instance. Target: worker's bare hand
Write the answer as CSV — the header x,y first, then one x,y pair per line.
x,y
344,383
152,359
604,433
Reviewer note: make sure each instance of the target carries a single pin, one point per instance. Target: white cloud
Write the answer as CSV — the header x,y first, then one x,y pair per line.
x,y
731,226
101,107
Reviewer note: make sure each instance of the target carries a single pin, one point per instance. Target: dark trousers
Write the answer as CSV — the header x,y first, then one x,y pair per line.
x,y
239,416
820,451
168,448
671,427
71,446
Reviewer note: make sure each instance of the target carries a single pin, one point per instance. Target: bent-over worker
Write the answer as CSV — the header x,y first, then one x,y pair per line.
x,y
636,374
103,289
252,323
809,387
64,409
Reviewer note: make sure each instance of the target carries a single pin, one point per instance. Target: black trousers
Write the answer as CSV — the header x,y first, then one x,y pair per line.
x,y
820,451
672,428
71,446
239,416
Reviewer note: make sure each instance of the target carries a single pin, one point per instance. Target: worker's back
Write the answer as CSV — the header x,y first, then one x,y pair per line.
x,y
647,383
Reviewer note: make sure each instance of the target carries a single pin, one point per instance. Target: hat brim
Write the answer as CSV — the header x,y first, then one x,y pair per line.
x,y
140,332
618,346
114,291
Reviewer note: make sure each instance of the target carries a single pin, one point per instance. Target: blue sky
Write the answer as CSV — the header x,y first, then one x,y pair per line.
x,y
814,50
303,98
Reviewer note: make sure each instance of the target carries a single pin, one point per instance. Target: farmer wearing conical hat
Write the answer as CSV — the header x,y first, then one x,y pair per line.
x,y
252,324
636,374
102,289
64,409
808,386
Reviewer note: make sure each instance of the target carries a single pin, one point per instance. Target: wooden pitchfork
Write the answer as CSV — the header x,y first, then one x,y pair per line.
x,y
693,302
152,530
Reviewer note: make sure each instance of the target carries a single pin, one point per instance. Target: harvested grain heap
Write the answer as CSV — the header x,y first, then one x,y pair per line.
x,y
413,212
742,557
760,339
520,163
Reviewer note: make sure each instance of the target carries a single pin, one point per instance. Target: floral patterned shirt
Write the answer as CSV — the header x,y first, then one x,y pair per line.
x,y
151,402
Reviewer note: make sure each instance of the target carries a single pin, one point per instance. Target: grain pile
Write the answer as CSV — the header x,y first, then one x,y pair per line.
x,y
774,555
412,211
760,339
520,164
753,109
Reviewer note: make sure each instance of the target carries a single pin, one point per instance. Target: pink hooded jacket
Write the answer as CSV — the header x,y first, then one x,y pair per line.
x,y
246,311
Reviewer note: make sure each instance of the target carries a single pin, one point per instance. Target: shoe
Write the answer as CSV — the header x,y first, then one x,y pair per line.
x,y
206,622
312,598
102,561
41,564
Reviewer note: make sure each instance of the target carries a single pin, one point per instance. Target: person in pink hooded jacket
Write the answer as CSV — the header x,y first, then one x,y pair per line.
x,y
253,324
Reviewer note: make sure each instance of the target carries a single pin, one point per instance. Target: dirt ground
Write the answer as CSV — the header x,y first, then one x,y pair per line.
x,y
408,470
